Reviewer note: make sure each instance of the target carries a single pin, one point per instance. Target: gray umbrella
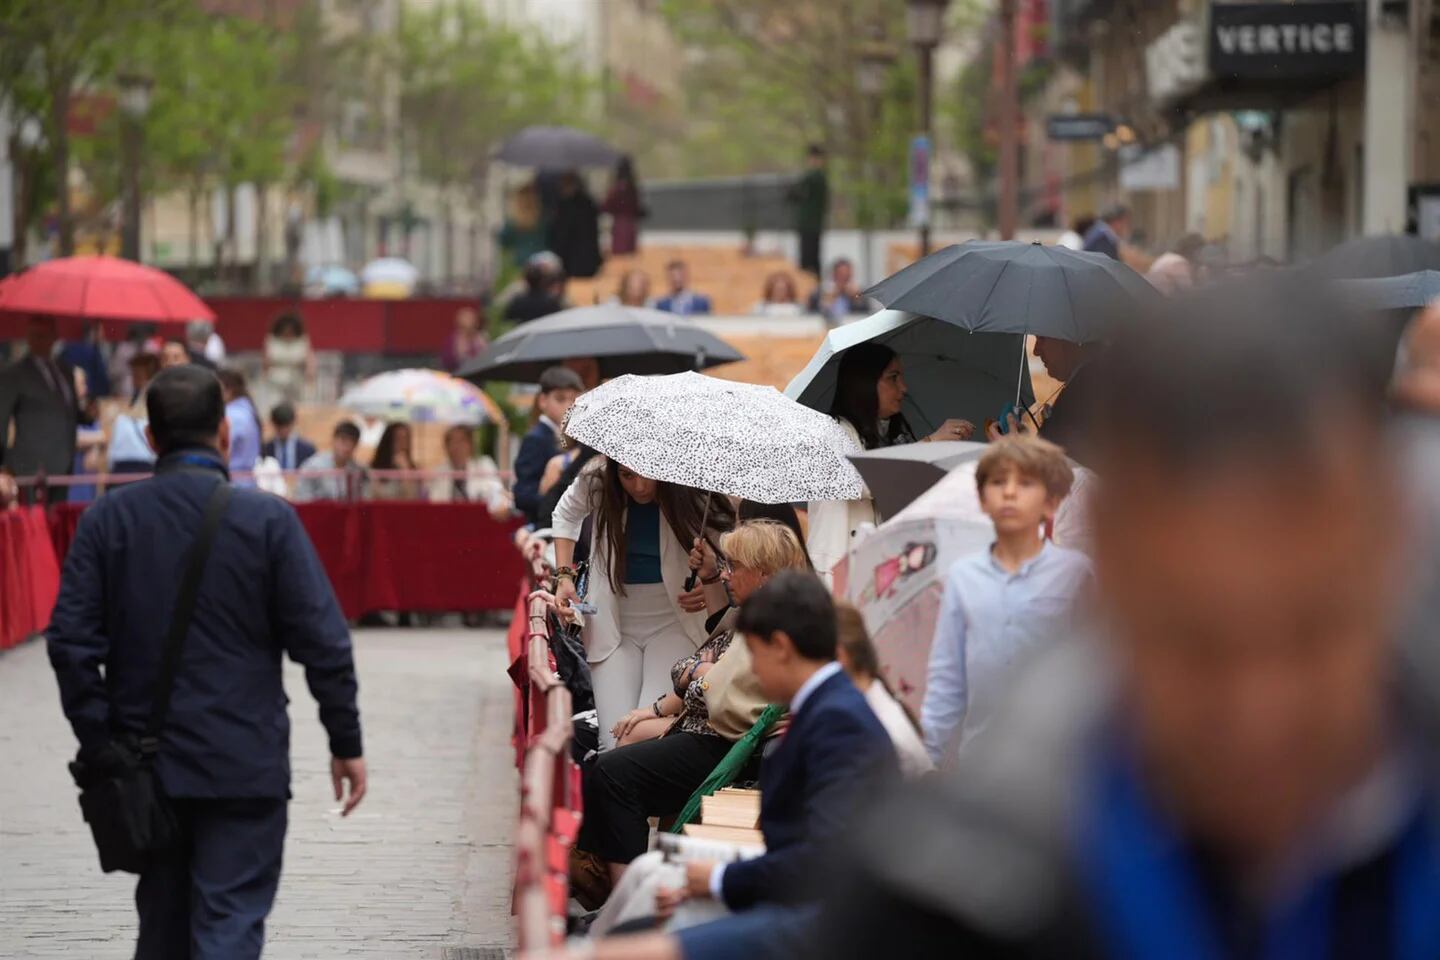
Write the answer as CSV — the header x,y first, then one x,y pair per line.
x,y
1409,291
1388,255
623,339
898,475
1013,287
950,372
557,148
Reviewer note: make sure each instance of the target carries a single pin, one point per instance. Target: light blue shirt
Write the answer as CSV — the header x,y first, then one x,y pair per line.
x,y
128,443
991,618
244,437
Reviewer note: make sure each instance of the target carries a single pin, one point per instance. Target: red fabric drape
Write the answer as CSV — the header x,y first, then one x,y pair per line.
x,y
29,574
379,556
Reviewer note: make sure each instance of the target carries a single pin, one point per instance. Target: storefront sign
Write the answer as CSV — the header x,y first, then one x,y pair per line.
x,y
1079,126
1283,41
1157,169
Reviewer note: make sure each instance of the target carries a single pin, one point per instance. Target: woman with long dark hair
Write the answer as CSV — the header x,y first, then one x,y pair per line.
x,y
869,397
244,423
642,536
395,452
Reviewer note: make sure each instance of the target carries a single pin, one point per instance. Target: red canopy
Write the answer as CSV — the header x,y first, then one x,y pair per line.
x,y
102,288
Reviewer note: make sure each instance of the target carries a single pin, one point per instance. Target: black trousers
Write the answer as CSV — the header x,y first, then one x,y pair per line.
x,y
627,785
209,900
810,252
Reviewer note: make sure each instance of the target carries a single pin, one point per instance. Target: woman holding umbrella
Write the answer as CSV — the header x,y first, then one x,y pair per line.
x,y
869,395
639,561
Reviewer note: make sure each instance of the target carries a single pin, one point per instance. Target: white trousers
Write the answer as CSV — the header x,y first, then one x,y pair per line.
x,y
638,672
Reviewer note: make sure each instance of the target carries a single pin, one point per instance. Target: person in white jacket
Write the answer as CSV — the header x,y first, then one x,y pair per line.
x,y
868,396
643,618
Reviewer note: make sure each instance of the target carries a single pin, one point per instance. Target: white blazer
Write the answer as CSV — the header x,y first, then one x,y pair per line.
x,y
602,629
833,522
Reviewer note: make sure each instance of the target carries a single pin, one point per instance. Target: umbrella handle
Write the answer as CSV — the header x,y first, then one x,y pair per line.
x,y
704,519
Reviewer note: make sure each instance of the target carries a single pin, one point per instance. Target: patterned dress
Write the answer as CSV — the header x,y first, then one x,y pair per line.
x,y
690,688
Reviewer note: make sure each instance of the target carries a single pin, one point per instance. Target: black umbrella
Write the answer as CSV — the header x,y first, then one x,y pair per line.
x,y
1409,291
622,339
898,475
1013,287
1390,255
557,148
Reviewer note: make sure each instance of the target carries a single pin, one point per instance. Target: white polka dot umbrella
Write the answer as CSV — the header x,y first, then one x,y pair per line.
x,y
740,439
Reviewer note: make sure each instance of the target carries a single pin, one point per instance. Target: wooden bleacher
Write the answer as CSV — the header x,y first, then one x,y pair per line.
x,y
731,278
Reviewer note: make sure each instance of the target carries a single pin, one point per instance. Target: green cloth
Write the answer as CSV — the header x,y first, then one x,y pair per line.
x,y
812,201
729,768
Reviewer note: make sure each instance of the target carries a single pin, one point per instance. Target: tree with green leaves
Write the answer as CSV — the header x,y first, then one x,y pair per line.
x,y
468,82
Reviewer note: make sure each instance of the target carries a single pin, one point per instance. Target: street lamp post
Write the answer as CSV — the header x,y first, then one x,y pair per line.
x,y
134,105
872,69
925,20
1009,125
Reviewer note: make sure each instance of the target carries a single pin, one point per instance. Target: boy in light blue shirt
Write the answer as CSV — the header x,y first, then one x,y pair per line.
x,y
1006,601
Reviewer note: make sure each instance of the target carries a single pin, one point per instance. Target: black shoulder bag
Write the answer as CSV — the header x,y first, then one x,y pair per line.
x,y
120,796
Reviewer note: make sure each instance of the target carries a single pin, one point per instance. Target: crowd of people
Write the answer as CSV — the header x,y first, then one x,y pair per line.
x,y
1202,724
1187,703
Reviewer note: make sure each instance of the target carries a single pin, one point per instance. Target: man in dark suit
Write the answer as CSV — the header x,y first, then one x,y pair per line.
x,y
559,386
835,748
287,447
38,393
224,753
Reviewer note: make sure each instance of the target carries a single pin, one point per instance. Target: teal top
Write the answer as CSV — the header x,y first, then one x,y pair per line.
x,y
642,543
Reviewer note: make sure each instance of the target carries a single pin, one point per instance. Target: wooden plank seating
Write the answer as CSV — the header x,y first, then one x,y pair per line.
x,y
731,807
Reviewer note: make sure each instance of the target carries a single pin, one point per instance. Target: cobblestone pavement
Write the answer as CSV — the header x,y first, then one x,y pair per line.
x,y
421,868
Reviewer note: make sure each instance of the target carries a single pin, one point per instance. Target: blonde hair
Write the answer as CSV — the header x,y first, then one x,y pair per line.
x,y
1032,457
765,546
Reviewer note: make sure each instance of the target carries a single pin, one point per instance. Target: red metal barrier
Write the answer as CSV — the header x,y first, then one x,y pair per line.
x,y
550,800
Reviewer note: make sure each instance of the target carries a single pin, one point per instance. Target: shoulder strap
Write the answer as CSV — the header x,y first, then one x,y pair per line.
x,y
180,618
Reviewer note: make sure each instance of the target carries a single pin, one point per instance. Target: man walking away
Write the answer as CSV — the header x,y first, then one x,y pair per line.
x,y
1109,234
811,198
223,757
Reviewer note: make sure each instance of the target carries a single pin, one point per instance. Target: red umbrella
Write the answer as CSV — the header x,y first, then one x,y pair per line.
x,y
102,288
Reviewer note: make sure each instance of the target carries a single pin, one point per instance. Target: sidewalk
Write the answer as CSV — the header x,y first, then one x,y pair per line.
x,y
420,870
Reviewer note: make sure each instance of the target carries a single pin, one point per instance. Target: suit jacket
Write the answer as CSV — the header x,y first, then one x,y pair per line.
x,y
686,304
809,787
536,449
263,595
304,450
44,422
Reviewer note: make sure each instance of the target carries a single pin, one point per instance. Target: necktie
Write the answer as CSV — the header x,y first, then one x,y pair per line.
x,y
53,378
460,496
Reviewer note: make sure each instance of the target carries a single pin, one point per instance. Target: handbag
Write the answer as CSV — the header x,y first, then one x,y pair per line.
x,y
120,797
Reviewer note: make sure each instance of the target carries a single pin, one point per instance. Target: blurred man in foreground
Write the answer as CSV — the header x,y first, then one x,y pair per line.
x,y
1239,768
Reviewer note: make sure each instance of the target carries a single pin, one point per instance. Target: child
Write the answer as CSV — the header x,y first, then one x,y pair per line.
x,y
1002,602
856,654
824,763
559,386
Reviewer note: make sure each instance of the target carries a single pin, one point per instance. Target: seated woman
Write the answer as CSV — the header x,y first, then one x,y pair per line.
x,y
858,658
650,722
654,778
870,391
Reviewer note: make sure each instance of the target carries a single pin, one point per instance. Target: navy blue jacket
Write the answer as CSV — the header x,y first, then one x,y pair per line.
x,y
539,445
835,749
304,450
263,593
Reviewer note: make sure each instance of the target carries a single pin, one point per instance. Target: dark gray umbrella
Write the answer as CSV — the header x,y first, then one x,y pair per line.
x,y
1409,291
1013,287
897,476
622,339
557,148
1389,255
